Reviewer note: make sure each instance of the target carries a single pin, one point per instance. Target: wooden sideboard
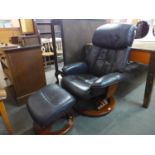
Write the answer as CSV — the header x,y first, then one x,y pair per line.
x,y
23,68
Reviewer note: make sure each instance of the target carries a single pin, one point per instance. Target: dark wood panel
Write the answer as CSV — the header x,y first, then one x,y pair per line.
x,y
76,34
27,70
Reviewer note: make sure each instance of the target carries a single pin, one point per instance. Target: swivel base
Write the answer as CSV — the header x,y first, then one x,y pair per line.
x,y
104,107
48,130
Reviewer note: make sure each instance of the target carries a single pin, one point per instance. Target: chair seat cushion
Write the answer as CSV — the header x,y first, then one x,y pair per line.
x,y
79,85
49,103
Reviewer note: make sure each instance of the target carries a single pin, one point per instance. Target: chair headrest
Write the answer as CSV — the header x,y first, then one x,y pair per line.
x,y
114,36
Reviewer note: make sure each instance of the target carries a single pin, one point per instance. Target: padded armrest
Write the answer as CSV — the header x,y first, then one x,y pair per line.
x,y
133,66
75,68
108,80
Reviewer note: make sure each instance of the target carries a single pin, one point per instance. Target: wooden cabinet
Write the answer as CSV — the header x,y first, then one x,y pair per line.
x,y
24,69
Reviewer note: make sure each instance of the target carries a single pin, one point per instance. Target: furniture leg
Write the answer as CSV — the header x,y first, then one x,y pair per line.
x,y
5,117
149,81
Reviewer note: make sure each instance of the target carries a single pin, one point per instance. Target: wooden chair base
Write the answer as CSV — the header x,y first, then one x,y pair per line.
x,y
103,108
48,130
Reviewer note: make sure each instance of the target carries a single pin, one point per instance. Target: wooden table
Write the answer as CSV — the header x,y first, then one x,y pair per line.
x,y
144,52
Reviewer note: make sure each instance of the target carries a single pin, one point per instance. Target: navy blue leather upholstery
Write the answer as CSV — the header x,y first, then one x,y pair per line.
x,y
76,68
114,36
102,66
103,62
107,80
79,85
49,103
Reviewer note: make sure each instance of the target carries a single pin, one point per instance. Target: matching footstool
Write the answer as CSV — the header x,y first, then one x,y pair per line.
x,y
49,104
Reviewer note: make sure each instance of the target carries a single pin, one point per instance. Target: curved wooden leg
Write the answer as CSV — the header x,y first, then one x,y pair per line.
x,y
47,131
5,117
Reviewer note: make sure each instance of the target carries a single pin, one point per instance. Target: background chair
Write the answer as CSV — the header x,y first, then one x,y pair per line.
x,y
103,65
47,51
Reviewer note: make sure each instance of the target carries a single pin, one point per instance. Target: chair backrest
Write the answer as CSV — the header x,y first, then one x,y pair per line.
x,y
110,49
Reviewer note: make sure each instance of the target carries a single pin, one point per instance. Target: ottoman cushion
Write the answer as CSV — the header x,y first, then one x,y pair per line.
x,y
49,103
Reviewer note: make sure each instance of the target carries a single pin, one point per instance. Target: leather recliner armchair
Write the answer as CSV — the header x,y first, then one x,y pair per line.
x,y
95,78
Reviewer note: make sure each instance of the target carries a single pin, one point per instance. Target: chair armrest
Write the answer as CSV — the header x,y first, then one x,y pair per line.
x,y
107,80
75,68
130,67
